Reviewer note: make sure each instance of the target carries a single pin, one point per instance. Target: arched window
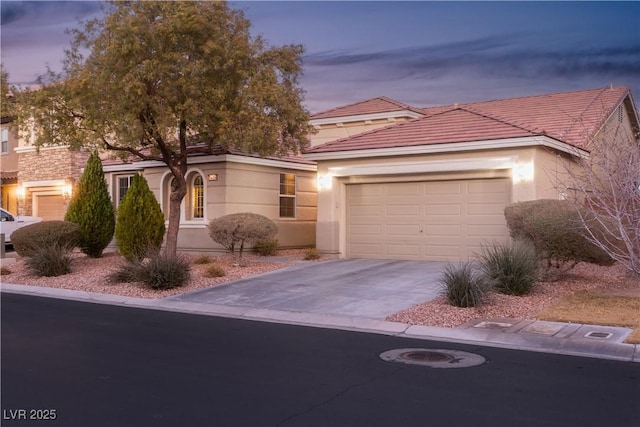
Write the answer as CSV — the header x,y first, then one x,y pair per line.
x,y
197,197
192,206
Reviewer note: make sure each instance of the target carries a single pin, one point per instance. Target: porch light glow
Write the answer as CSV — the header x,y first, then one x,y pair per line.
x,y
523,172
324,182
20,192
67,190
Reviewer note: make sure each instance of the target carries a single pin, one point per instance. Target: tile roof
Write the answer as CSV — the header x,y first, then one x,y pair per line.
x,y
569,117
371,106
455,125
8,175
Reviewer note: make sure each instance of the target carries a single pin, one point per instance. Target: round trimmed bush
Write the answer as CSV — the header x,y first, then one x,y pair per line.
x,y
236,230
63,234
555,229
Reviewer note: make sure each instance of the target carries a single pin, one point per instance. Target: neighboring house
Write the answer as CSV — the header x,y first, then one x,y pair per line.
x,y
435,187
282,189
37,182
8,166
46,178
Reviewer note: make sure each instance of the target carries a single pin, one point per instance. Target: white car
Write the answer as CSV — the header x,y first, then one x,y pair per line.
x,y
10,223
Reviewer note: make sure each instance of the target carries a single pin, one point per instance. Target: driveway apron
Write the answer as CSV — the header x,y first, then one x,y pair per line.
x,y
351,287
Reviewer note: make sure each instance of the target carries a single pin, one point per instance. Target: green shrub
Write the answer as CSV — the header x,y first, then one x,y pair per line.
x,y
164,271
214,271
140,225
92,210
203,259
28,239
462,285
510,270
127,272
554,228
240,229
49,261
158,271
267,247
311,254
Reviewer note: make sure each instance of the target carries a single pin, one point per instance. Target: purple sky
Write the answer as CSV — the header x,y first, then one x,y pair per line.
x,y
421,53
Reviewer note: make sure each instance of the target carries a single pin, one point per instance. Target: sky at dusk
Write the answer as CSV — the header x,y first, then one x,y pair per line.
x,y
420,53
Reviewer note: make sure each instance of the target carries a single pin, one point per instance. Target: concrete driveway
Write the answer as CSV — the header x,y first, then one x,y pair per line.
x,y
350,287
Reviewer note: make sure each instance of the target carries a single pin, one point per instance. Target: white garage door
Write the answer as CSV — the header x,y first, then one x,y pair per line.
x,y
436,220
50,207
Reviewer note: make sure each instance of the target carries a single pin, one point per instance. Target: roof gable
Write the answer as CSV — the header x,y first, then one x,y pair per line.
x,y
371,106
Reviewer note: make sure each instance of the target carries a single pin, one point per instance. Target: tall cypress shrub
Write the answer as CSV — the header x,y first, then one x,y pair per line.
x,y
140,225
91,208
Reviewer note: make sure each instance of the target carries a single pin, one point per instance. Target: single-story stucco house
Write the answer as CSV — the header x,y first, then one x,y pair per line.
x,y
432,183
282,189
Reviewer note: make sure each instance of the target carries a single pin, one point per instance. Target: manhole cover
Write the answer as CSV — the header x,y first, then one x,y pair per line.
x,y
433,358
427,356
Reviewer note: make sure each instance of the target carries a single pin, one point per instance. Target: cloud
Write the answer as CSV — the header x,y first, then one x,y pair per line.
x,y
38,11
503,56
509,61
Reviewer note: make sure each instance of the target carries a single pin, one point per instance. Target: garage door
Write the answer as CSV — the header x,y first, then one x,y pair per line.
x,y
436,220
50,207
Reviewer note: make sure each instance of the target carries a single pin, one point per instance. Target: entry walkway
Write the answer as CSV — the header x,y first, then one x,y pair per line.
x,y
348,287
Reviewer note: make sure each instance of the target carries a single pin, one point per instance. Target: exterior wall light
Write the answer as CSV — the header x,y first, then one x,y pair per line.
x,y
523,172
67,191
324,182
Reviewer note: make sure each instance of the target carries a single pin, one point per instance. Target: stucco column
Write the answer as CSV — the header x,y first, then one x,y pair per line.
x,y
327,226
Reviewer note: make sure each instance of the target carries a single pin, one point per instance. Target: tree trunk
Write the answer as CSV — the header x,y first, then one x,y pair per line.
x,y
178,191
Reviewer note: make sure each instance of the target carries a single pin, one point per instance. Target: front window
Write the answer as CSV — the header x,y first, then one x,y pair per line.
x,y
124,182
197,197
287,195
5,140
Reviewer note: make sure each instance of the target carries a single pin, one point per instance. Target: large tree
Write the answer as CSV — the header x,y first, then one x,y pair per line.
x,y
605,187
165,80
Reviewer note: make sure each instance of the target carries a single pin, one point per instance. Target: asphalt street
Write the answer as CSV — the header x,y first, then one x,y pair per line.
x,y
86,364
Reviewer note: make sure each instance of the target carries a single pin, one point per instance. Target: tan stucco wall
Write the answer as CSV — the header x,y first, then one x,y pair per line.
x,y
239,188
330,132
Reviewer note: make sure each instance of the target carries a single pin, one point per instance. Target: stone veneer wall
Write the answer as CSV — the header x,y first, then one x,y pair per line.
x,y
46,165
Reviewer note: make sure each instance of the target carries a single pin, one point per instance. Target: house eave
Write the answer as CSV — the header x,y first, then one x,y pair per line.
x,y
453,147
234,158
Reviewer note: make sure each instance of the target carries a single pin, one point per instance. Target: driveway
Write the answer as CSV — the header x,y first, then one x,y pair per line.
x,y
350,287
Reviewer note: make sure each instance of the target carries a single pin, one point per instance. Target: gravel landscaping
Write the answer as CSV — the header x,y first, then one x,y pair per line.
x,y
91,275
608,280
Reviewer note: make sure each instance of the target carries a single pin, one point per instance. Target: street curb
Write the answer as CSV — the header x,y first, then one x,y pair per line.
x,y
490,338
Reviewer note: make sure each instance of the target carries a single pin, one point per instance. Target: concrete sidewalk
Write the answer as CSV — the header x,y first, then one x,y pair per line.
x,y
547,337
